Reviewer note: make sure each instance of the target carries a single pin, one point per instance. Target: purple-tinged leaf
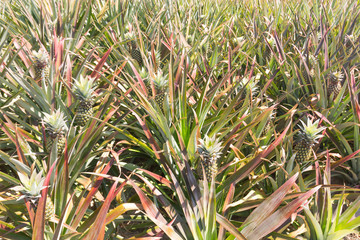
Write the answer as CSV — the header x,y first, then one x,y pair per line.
x,y
83,205
345,159
157,177
154,214
96,73
267,207
280,216
97,231
249,167
230,227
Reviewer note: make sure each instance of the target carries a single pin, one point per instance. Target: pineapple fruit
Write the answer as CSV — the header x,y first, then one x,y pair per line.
x,y
83,90
306,138
31,188
334,83
134,50
161,84
55,127
209,151
41,62
49,209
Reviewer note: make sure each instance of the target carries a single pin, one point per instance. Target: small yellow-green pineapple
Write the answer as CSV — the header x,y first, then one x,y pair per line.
x,y
134,50
334,83
41,61
306,138
83,90
55,127
49,209
209,151
161,85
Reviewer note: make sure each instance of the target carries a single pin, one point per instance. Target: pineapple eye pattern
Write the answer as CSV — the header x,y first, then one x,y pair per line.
x,y
83,90
209,151
306,138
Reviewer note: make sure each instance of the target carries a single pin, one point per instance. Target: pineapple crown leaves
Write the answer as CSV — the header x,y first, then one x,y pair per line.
x,y
210,147
129,36
311,59
338,75
84,88
30,187
310,131
55,121
157,56
252,85
143,73
349,37
160,80
271,40
40,56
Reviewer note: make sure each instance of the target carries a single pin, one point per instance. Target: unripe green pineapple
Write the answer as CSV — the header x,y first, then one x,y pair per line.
x,y
134,50
209,151
306,138
334,86
55,127
46,73
83,90
161,85
41,61
49,209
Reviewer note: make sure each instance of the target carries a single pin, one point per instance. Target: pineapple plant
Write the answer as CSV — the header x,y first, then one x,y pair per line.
x,y
55,127
306,138
161,84
134,50
41,62
334,83
83,90
209,151
31,188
